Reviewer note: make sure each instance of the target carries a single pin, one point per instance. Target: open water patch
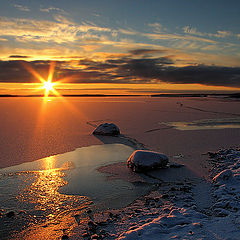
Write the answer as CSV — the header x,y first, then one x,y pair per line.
x,y
205,124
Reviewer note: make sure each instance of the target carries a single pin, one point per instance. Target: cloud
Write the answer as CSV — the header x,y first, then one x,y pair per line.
x,y
156,26
53,9
206,75
155,70
18,56
60,31
16,71
128,31
125,70
191,30
169,36
221,34
21,7
87,37
13,71
158,34
218,34
146,51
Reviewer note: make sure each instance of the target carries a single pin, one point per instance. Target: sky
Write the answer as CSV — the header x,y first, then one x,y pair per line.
x,y
120,47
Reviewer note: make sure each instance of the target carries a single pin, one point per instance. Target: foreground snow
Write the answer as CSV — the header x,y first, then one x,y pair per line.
x,y
186,222
173,211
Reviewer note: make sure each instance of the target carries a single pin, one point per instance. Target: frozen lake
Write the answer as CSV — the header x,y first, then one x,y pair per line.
x,y
32,128
49,160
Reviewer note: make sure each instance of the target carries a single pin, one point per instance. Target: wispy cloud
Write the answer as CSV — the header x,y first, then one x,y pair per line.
x,y
221,34
53,9
218,34
128,31
169,36
22,8
156,26
158,34
59,31
191,30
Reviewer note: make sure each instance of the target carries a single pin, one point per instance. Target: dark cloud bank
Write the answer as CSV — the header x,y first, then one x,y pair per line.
x,y
125,70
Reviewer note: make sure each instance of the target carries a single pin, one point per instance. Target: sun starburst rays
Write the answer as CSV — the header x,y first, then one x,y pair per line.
x,y
47,83
50,87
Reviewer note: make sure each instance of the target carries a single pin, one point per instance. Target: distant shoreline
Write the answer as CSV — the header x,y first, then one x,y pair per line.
x,y
228,95
74,95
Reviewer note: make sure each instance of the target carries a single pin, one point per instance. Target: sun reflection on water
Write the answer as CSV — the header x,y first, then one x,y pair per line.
x,y
49,163
52,211
44,190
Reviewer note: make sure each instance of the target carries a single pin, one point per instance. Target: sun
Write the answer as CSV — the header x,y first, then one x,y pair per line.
x,y
48,86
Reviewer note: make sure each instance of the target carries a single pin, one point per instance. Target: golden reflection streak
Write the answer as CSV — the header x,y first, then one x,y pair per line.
x,y
58,208
44,190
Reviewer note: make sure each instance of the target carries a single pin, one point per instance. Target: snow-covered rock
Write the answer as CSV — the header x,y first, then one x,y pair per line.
x,y
107,129
143,160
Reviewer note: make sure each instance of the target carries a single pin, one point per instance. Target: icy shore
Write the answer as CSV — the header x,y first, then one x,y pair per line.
x,y
173,210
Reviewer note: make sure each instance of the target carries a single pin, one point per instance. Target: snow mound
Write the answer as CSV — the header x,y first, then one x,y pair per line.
x,y
178,224
107,129
226,191
142,160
